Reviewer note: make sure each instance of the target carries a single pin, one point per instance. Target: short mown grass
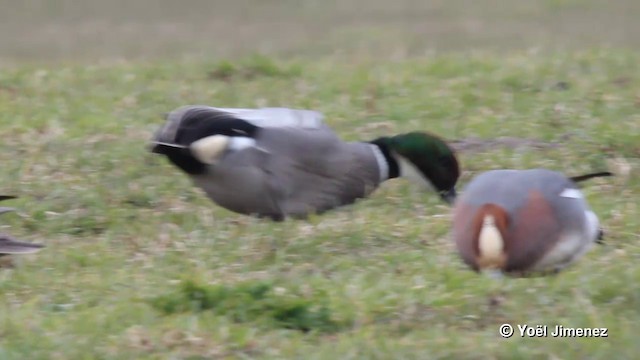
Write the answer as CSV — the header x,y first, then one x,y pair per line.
x,y
248,302
139,264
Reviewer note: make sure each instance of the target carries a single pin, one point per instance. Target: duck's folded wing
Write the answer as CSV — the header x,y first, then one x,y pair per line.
x,y
248,175
189,115
306,191
316,172
278,117
262,117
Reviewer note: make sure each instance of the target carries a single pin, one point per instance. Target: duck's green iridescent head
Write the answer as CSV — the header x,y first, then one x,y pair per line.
x,y
426,158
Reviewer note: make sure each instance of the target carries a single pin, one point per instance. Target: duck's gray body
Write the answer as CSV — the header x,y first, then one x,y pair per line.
x,y
303,171
549,223
298,166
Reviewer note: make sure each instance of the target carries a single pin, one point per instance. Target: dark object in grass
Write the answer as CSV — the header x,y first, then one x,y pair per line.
x,y
9,245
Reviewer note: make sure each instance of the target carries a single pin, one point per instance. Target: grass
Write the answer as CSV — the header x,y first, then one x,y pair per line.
x,y
249,302
140,264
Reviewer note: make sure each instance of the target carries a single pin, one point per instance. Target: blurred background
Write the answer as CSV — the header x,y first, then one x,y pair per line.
x,y
68,30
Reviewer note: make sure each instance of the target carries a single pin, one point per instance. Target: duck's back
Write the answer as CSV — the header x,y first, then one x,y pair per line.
x,y
511,188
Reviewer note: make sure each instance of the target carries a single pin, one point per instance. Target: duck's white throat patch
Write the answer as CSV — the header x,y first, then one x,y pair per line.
x,y
411,172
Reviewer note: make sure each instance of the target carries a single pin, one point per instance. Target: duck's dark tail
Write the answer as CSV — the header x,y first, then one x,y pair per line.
x,y
580,178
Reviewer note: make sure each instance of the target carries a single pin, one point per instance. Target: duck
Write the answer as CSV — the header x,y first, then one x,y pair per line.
x,y
283,163
8,244
523,223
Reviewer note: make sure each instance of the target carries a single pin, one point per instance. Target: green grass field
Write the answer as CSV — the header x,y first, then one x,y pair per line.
x,y
129,238
140,265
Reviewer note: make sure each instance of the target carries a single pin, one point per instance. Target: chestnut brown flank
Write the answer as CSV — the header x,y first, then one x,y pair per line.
x,y
535,231
463,233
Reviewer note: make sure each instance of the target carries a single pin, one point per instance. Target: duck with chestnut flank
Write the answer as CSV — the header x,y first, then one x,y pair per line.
x,y
524,222
279,162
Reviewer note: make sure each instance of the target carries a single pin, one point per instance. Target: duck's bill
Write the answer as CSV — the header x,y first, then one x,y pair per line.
x,y
12,246
448,196
7,197
158,147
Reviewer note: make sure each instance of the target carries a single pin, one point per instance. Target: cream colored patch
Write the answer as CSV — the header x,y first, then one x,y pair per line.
x,y
490,245
571,193
411,173
208,150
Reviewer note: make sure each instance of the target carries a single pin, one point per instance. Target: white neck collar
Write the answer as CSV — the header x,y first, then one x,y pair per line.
x,y
383,166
